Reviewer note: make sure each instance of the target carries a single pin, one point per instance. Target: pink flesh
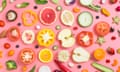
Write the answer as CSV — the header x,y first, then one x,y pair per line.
x,y
48,16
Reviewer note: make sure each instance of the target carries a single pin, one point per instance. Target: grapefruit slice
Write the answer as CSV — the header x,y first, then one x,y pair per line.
x,y
48,16
45,55
67,18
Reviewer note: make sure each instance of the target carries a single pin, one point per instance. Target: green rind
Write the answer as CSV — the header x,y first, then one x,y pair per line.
x,y
91,21
41,1
101,67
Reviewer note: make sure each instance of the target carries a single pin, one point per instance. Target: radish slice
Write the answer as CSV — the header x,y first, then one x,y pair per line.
x,y
86,2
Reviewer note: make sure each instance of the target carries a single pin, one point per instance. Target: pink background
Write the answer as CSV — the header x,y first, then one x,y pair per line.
x,y
114,44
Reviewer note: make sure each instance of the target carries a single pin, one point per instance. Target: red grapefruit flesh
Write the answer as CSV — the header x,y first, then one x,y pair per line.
x,y
47,16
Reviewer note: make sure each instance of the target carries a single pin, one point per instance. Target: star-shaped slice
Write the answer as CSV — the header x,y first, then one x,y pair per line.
x,y
100,40
116,20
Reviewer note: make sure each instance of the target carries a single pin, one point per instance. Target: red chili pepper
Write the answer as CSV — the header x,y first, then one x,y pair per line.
x,y
62,67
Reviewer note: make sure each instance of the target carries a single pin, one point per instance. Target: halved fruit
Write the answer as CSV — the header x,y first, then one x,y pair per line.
x,y
48,16
45,55
13,33
27,56
85,38
99,54
45,37
102,28
67,18
85,19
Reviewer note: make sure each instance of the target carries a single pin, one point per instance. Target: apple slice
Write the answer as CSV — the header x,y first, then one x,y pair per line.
x,y
65,36
80,55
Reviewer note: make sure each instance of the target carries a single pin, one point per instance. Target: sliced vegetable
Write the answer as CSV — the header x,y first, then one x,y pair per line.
x,y
76,10
69,2
58,27
41,1
3,34
85,19
113,1
102,67
115,62
11,15
22,5
1,54
7,45
11,52
105,12
59,8
55,1
4,4
11,65
24,68
33,69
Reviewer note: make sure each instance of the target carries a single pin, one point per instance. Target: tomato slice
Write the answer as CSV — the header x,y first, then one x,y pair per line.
x,y
102,28
13,33
27,56
85,38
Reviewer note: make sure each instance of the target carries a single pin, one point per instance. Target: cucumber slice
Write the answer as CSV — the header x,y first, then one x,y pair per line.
x,y
101,67
86,2
85,19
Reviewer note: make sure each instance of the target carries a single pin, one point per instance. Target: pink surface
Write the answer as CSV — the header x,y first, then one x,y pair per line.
x,y
114,44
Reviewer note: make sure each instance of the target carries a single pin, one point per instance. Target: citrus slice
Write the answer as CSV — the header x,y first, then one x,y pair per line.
x,y
48,16
99,54
67,18
45,37
45,55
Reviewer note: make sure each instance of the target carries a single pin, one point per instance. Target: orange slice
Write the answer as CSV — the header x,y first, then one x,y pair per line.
x,y
99,54
45,37
45,55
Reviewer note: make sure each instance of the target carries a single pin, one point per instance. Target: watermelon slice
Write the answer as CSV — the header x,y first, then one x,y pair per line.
x,y
48,16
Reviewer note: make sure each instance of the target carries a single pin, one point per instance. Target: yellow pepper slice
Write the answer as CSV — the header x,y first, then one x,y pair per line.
x,y
45,37
105,12
31,14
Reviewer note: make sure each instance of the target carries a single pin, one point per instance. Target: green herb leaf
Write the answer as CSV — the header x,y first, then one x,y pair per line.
x,y
33,69
41,1
22,5
4,4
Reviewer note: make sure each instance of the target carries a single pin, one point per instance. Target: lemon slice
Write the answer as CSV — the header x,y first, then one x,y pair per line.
x,y
45,55
45,37
67,18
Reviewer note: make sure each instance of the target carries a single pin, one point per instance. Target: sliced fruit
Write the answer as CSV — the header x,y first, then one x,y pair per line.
x,y
45,55
44,69
28,36
99,54
11,65
113,1
105,12
22,5
55,1
69,2
11,52
66,38
85,19
102,67
2,23
102,28
27,56
63,56
45,37
47,16
85,38
110,51
7,45
11,15
13,34
67,18
76,10
86,2
29,18
80,55
41,1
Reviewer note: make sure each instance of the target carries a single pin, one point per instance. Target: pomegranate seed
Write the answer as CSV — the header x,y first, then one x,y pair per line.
x,y
113,38
75,28
107,61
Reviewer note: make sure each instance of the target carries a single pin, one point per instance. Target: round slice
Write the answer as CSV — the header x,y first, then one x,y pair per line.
x,y
45,55
28,36
86,2
13,34
45,37
85,19
63,56
11,15
44,69
48,16
99,54
102,28
67,18
27,55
